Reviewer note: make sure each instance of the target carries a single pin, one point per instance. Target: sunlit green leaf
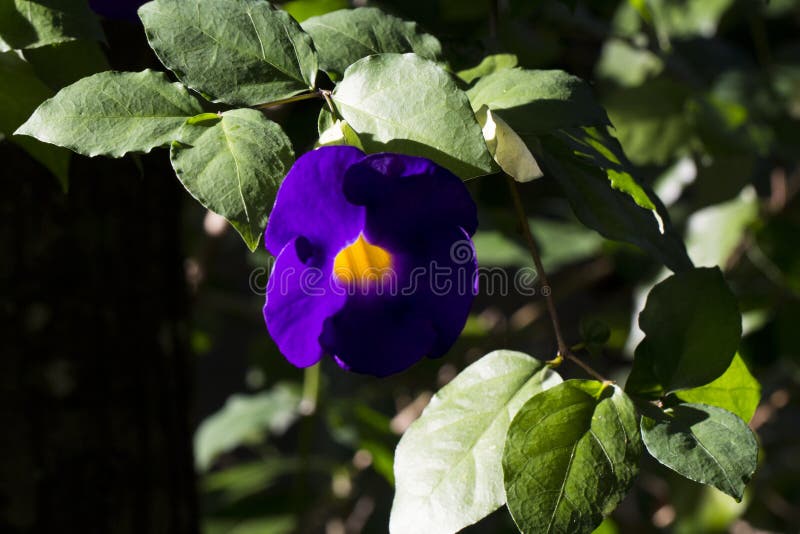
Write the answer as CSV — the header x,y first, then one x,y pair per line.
x,y
335,131
235,51
571,456
233,165
705,444
627,65
537,101
692,327
245,419
736,390
430,116
448,463
713,233
301,10
35,23
507,148
343,37
607,527
487,66
113,113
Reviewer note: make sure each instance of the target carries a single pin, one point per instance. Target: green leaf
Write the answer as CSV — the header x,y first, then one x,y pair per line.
x,y
427,115
241,480
113,113
571,456
594,174
233,166
343,37
62,64
594,332
301,10
448,463
705,444
333,131
339,133
538,101
652,134
507,148
692,327
489,65
237,51
496,249
607,527
700,508
736,390
684,19
278,524
35,23
602,149
246,419
688,18
713,233
20,92
627,65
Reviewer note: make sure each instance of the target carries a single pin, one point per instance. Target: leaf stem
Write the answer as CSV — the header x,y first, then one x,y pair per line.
x,y
307,409
296,98
586,368
328,100
546,289
563,348
308,403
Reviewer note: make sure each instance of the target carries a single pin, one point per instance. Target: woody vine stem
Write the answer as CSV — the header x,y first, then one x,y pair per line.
x,y
563,349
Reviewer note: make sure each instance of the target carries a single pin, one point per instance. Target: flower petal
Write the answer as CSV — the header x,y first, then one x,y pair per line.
x,y
378,335
449,298
406,197
299,300
421,315
311,203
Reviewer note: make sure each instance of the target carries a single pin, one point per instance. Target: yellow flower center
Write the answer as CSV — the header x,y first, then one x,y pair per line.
x,y
362,262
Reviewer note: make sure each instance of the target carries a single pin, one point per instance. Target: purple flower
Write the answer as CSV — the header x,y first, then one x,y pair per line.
x,y
375,265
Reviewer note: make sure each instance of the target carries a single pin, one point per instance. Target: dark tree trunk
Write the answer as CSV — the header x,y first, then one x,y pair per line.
x,y
94,371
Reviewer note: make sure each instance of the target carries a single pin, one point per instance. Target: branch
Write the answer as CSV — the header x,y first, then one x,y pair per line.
x,y
563,348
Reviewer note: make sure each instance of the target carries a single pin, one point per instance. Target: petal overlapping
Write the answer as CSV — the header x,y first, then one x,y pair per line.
x,y
448,298
299,300
406,197
422,315
378,335
311,202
